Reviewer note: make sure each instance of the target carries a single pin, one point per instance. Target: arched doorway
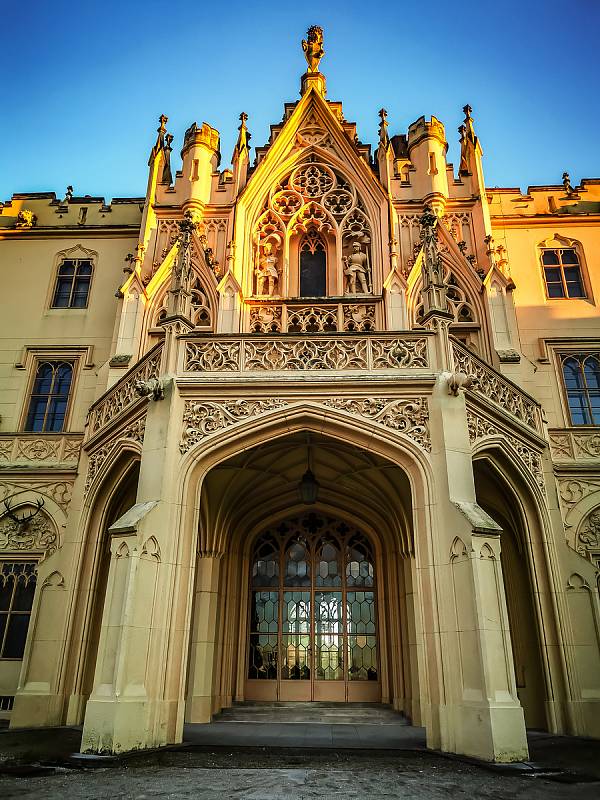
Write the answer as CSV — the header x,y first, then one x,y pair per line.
x,y
501,500
365,509
313,622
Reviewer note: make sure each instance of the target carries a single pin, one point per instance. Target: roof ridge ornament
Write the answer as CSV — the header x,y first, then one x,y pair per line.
x,y
313,53
313,47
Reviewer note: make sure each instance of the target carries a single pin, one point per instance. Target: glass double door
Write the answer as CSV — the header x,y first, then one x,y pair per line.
x,y
313,629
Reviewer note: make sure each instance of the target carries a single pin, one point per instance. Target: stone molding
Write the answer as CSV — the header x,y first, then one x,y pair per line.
x,y
134,432
588,537
124,393
39,449
492,386
573,444
480,428
290,354
409,416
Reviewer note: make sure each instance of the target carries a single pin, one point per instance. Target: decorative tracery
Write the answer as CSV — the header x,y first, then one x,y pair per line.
x,y
323,210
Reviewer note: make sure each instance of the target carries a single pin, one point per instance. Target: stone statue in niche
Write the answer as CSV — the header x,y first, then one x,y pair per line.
x,y
267,274
356,270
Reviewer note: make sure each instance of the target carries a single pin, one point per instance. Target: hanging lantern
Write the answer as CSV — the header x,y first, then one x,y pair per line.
x,y
308,488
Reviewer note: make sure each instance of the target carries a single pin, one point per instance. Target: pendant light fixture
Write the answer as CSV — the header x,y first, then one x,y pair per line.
x,y
308,488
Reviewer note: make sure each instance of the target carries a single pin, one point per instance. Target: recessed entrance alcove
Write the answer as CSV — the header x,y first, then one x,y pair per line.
x,y
312,601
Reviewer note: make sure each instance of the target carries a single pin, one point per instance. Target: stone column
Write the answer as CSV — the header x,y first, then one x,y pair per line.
x,y
203,646
472,696
138,696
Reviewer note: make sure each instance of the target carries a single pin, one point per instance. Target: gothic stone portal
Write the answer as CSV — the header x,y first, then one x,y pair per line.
x,y
313,620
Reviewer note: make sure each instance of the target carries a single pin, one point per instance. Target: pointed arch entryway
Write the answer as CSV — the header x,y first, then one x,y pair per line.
x,y
306,602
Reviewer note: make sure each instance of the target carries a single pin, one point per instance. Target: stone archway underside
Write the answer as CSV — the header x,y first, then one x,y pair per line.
x,y
259,487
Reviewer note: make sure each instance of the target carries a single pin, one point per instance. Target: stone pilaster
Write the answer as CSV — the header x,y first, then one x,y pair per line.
x,y
474,708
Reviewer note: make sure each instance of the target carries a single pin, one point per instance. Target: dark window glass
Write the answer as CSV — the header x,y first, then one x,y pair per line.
x,y
73,284
313,266
581,374
49,397
562,273
17,589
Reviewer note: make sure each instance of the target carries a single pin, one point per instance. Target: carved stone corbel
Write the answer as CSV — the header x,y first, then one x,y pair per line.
x,y
459,380
153,388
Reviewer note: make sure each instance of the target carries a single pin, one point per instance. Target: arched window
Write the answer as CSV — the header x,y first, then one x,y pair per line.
x,y
313,265
72,283
562,273
49,397
581,372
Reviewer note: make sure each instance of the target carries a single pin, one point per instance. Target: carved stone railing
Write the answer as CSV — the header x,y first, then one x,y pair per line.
x,y
123,394
575,444
351,317
252,354
39,449
496,388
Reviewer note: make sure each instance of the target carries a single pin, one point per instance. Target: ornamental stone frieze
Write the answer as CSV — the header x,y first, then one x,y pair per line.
x,y
580,506
492,386
321,318
36,449
408,416
322,353
59,491
38,534
405,415
133,432
124,393
574,445
480,428
203,419
588,538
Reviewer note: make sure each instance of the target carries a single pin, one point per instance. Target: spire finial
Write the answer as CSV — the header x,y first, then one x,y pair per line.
x,y
567,184
313,47
244,136
383,126
160,139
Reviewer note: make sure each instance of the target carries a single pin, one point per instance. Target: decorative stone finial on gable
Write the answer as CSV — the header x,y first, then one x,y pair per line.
x,y
313,47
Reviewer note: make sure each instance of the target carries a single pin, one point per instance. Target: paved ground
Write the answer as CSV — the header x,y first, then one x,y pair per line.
x,y
252,775
35,764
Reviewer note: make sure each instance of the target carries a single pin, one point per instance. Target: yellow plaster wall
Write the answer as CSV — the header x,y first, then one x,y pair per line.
x,y
27,272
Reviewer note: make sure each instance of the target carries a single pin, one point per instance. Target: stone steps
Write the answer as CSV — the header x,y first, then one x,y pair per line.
x,y
318,713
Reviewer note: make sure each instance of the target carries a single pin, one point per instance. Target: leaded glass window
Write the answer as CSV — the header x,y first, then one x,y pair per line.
x,y
49,397
17,588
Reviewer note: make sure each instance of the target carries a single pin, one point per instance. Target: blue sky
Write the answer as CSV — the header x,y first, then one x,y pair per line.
x,y
83,83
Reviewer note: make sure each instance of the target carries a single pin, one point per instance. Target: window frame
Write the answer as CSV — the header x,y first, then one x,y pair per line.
x,y
563,355
76,253
557,242
77,262
38,361
8,559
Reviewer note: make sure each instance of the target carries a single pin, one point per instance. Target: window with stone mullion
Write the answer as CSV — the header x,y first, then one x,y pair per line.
x,y
73,284
562,274
581,372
